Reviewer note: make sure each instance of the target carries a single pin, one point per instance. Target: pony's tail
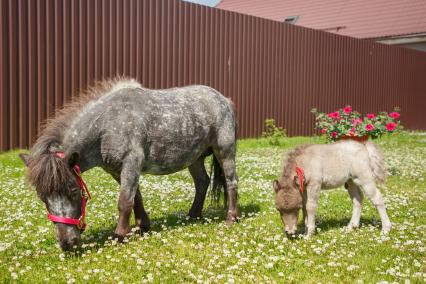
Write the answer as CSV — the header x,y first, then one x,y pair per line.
x,y
219,182
377,162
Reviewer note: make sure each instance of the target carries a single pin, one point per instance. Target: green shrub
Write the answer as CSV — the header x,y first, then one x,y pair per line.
x,y
273,133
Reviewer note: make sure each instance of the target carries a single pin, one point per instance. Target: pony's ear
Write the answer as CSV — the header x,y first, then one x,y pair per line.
x,y
25,158
73,159
276,186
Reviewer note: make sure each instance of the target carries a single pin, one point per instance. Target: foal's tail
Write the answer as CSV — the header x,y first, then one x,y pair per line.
x,y
218,183
377,162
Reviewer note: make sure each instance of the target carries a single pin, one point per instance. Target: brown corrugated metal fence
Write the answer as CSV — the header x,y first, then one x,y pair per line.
x,y
51,49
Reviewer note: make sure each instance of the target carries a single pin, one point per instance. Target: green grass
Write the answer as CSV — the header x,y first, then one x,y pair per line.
x,y
206,250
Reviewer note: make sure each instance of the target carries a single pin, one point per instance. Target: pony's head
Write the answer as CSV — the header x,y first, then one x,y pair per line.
x,y
55,182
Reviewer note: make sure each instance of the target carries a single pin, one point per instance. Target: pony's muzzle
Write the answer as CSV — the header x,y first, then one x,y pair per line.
x,y
69,244
68,236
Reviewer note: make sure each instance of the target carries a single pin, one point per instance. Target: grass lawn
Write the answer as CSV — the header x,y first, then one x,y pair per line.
x,y
206,250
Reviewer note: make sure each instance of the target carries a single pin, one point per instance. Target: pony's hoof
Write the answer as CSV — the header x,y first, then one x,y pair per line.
x,y
144,229
195,215
118,238
231,220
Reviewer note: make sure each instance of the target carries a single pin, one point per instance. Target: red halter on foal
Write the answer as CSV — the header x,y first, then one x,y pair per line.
x,y
300,173
85,195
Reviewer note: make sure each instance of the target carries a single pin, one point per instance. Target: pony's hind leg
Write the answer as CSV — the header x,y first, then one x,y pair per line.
x,y
226,159
201,181
376,198
357,197
141,217
231,186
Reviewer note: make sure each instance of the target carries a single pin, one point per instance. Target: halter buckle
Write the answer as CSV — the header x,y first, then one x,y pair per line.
x,y
81,224
84,194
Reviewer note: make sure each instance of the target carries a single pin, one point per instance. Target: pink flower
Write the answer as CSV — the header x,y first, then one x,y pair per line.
x,y
333,134
369,127
356,121
370,115
347,109
324,130
394,115
334,115
390,126
352,131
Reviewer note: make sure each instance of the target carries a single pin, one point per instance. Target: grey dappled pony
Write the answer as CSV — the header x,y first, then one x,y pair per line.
x,y
128,130
357,165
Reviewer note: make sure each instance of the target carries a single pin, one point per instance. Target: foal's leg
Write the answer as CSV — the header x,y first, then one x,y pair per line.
x,y
305,217
129,184
376,198
201,181
357,197
313,194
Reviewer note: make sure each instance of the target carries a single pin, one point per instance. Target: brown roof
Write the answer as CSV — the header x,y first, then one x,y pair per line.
x,y
356,18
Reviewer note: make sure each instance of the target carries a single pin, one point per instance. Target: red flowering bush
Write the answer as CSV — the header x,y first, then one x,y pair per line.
x,y
346,122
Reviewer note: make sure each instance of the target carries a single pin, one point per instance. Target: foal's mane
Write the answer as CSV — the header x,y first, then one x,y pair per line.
x,y
46,171
289,168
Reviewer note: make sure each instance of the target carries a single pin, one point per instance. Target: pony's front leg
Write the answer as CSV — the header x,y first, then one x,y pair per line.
x,y
201,181
129,185
313,193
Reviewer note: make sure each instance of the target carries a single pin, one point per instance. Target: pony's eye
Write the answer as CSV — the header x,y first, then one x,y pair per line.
x,y
74,189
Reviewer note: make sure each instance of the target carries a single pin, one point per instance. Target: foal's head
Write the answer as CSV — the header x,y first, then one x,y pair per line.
x,y
288,201
288,197
56,185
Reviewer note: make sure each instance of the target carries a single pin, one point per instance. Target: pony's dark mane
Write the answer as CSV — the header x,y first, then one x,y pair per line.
x,y
48,173
289,168
52,131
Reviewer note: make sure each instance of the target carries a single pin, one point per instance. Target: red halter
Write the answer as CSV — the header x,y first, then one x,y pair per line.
x,y
85,195
301,175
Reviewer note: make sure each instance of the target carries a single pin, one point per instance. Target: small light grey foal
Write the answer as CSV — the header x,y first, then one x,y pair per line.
x,y
357,165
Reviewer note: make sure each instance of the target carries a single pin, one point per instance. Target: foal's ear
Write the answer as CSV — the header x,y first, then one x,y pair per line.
x,y
276,186
25,158
73,159
296,180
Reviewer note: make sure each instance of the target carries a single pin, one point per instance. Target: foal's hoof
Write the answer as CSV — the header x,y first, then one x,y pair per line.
x,y
290,236
351,227
386,229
